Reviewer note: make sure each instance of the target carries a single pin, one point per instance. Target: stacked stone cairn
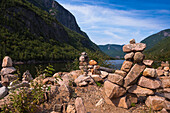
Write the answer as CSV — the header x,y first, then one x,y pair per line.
x,y
137,82
84,59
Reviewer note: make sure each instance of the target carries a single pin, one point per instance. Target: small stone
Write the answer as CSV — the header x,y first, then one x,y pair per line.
x,y
100,102
138,57
120,72
132,41
7,70
71,109
148,62
57,107
113,90
115,78
126,66
133,74
49,80
80,108
27,76
7,62
129,56
166,73
166,68
149,83
92,62
82,59
155,102
3,92
140,91
134,47
97,78
150,72
167,105
159,72
104,74
165,82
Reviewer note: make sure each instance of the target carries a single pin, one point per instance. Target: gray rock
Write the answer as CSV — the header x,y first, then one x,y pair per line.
x,y
80,108
115,78
149,83
133,74
138,57
129,56
7,62
120,72
3,92
134,47
126,66
150,72
7,70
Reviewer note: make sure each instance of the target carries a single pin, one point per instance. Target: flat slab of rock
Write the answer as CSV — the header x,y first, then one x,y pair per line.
x,y
165,82
126,66
159,72
115,78
155,102
140,91
133,74
3,92
7,62
129,56
97,78
134,47
104,74
80,108
7,70
149,83
148,62
113,90
138,57
120,72
150,72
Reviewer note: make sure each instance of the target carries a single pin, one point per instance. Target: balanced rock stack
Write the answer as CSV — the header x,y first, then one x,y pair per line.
x,y
84,63
7,71
136,81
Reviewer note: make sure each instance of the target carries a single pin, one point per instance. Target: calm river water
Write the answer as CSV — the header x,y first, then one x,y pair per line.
x,y
59,66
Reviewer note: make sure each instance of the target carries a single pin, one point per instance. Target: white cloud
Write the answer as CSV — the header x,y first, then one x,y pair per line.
x,y
120,25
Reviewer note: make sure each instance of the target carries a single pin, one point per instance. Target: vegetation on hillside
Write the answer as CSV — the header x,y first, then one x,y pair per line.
x,y
159,52
22,41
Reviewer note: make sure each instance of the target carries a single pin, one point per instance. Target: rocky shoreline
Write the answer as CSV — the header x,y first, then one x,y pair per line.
x,y
137,87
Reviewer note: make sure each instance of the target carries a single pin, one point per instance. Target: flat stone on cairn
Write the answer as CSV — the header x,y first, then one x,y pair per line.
x,y
126,66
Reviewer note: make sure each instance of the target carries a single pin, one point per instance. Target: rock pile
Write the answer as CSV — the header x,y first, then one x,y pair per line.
x,y
137,81
84,63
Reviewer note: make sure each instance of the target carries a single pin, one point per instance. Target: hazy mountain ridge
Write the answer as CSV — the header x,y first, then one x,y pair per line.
x,y
112,50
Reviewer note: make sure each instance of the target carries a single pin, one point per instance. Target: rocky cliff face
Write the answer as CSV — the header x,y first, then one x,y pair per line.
x,y
61,14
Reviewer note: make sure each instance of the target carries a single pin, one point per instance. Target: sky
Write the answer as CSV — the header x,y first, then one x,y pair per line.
x,y
118,21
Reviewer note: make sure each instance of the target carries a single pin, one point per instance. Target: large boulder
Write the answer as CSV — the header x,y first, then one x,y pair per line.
x,y
134,47
129,56
113,90
165,82
155,102
125,101
115,78
134,73
120,72
80,108
149,83
7,70
138,57
126,66
7,62
3,92
140,91
150,72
